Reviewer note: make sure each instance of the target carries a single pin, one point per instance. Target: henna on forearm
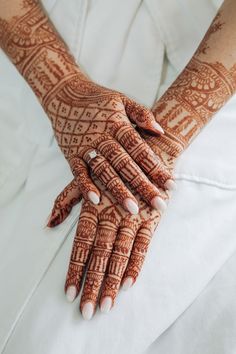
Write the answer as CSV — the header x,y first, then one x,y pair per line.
x,y
30,41
203,87
200,91
85,117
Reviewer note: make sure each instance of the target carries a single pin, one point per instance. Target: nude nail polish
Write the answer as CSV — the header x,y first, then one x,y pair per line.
x,y
157,127
93,197
71,293
106,304
170,185
131,206
87,310
158,203
127,283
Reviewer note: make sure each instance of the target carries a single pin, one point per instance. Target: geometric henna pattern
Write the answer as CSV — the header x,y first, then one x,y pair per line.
x,y
112,244
195,96
109,241
84,116
200,91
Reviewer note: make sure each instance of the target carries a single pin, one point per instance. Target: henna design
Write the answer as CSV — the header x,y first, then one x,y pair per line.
x,y
200,91
216,26
82,245
63,204
108,239
83,113
195,96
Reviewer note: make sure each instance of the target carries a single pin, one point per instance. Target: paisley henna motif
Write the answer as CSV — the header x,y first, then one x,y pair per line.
x,y
84,115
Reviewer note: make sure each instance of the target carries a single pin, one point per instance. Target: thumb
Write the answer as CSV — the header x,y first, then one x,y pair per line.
x,y
64,202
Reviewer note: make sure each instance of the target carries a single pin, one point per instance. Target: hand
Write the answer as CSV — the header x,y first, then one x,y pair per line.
x,y
110,244
91,126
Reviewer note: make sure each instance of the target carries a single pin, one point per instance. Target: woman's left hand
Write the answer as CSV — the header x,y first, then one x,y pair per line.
x,y
105,236
110,243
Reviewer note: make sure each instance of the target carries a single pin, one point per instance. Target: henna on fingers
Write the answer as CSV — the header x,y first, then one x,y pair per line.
x,y
200,91
81,112
109,241
82,245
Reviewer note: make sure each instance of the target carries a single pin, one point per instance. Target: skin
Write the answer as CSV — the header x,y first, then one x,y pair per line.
x,y
85,117
111,243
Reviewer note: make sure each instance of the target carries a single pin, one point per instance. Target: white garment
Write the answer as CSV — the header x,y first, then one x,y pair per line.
x,y
121,45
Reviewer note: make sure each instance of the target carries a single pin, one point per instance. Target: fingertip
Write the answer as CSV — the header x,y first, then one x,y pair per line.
x,y
54,220
87,311
106,304
157,127
131,206
129,281
71,293
159,204
93,197
170,185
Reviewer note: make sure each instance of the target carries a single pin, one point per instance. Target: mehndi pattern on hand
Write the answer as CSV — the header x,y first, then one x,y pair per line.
x,y
86,116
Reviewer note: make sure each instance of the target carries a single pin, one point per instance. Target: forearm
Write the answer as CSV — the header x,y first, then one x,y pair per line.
x,y
203,87
33,45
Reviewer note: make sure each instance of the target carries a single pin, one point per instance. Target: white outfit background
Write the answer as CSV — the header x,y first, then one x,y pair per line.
x,y
184,299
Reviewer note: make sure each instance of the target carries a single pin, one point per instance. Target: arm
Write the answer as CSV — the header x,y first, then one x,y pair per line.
x,y
203,87
90,122
121,244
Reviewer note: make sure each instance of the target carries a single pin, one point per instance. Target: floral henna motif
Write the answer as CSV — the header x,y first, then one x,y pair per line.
x,y
196,95
83,113
199,92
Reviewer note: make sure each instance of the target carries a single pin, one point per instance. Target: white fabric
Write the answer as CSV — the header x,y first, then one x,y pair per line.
x,y
121,45
208,326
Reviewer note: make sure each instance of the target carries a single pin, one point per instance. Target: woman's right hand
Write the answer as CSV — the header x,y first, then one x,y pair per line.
x,y
92,126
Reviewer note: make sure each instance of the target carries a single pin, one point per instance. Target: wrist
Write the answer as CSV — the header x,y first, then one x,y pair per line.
x,y
190,102
36,49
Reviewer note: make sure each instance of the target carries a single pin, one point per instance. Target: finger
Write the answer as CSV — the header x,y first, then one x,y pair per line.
x,y
130,171
141,116
141,152
118,262
108,176
86,185
82,245
138,253
106,234
63,204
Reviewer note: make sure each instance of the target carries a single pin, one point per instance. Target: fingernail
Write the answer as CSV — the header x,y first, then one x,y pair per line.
x,y
106,304
71,293
127,283
157,126
131,206
171,185
158,203
87,311
93,197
